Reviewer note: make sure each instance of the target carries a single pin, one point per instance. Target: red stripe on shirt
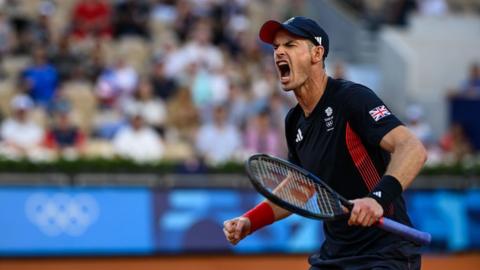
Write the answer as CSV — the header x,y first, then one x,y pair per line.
x,y
361,159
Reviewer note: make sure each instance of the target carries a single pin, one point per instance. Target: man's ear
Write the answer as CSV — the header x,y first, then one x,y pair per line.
x,y
317,54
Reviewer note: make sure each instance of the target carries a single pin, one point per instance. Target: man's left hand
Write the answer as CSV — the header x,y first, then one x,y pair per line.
x,y
365,212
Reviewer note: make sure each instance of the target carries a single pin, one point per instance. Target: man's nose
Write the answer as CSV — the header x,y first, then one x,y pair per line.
x,y
280,51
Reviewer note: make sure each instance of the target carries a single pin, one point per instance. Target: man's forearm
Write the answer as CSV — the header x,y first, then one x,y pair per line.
x,y
407,160
278,212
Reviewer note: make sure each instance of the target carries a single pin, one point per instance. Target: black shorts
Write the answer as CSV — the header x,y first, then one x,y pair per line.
x,y
401,257
369,262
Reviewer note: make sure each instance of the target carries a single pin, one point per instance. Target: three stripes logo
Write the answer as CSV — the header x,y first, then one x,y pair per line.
x,y
299,136
378,194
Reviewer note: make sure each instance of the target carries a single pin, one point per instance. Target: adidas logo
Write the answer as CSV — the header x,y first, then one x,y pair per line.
x,y
299,136
378,194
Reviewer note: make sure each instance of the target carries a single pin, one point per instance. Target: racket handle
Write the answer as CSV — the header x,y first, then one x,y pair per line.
x,y
419,237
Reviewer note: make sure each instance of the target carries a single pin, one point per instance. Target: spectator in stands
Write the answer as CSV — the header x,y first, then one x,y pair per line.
x,y
95,64
214,58
21,24
417,125
261,137
64,59
200,50
239,104
138,142
201,89
432,7
164,11
279,107
219,85
264,86
41,28
183,116
218,141
6,35
6,40
65,138
92,18
455,144
21,137
116,83
184,20
41,78
131,19
173,61
152,109
471,87
164,86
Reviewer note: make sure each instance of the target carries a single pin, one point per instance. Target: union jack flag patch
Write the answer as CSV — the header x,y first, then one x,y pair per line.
x,y
379,113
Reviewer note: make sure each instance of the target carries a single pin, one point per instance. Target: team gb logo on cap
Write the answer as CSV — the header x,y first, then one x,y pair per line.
x,y
289,20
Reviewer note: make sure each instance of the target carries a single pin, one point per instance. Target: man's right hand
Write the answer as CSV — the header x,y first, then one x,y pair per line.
x,y
236,229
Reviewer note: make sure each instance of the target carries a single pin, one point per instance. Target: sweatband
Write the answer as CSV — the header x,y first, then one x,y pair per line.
x,y
386,191
260,216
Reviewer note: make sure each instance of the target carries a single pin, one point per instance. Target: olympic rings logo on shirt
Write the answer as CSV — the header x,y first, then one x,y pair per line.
x,y
58,213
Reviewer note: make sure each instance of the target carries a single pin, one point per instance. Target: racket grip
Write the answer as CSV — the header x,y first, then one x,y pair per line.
x,y
419,237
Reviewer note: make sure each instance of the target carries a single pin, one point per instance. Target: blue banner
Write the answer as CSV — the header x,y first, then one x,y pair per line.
x,y
192,221
452,217
110,221
75,221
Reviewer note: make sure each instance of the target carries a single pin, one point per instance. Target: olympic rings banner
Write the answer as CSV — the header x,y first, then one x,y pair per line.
x,y
128,221
69,221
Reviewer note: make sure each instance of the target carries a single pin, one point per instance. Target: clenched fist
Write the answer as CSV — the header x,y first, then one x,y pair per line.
x,y
365,212
236,229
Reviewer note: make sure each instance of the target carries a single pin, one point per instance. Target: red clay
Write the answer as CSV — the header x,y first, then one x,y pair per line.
x,y
212,262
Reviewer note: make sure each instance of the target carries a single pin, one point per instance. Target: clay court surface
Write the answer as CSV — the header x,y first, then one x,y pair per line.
x,y
211,262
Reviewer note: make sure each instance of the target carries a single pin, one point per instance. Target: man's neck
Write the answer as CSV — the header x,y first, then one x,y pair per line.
x,y
310,93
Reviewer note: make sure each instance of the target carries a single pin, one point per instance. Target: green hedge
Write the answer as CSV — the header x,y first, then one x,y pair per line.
x,y
459,169
99,165
124,166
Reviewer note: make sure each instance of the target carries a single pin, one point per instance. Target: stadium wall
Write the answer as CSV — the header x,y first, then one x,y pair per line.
x,y
419,64
119,221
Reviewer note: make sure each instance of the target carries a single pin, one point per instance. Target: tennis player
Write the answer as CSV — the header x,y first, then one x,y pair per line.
x,y
343,133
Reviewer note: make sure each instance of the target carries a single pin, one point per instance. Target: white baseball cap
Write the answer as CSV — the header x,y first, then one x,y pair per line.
x,y
21,102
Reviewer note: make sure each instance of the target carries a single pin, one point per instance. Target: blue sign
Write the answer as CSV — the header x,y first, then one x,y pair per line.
x,y
75,221
96,221
453,218
192,221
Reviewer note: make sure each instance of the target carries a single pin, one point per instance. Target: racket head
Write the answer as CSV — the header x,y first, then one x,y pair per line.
x,y
267,173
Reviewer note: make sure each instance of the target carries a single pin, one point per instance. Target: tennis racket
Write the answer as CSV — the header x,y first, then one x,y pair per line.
x,y
301,192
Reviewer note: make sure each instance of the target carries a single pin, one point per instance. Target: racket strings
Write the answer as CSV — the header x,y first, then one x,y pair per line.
x,y
296,188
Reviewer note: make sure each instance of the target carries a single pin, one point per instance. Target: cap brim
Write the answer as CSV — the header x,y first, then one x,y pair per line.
x,y
268,31
270,28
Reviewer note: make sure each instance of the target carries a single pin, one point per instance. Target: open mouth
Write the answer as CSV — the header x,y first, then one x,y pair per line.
x,y
284,70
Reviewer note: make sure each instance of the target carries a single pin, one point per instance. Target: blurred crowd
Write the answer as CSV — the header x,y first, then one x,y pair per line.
x,y
395,12
456,144
148,80
144,80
